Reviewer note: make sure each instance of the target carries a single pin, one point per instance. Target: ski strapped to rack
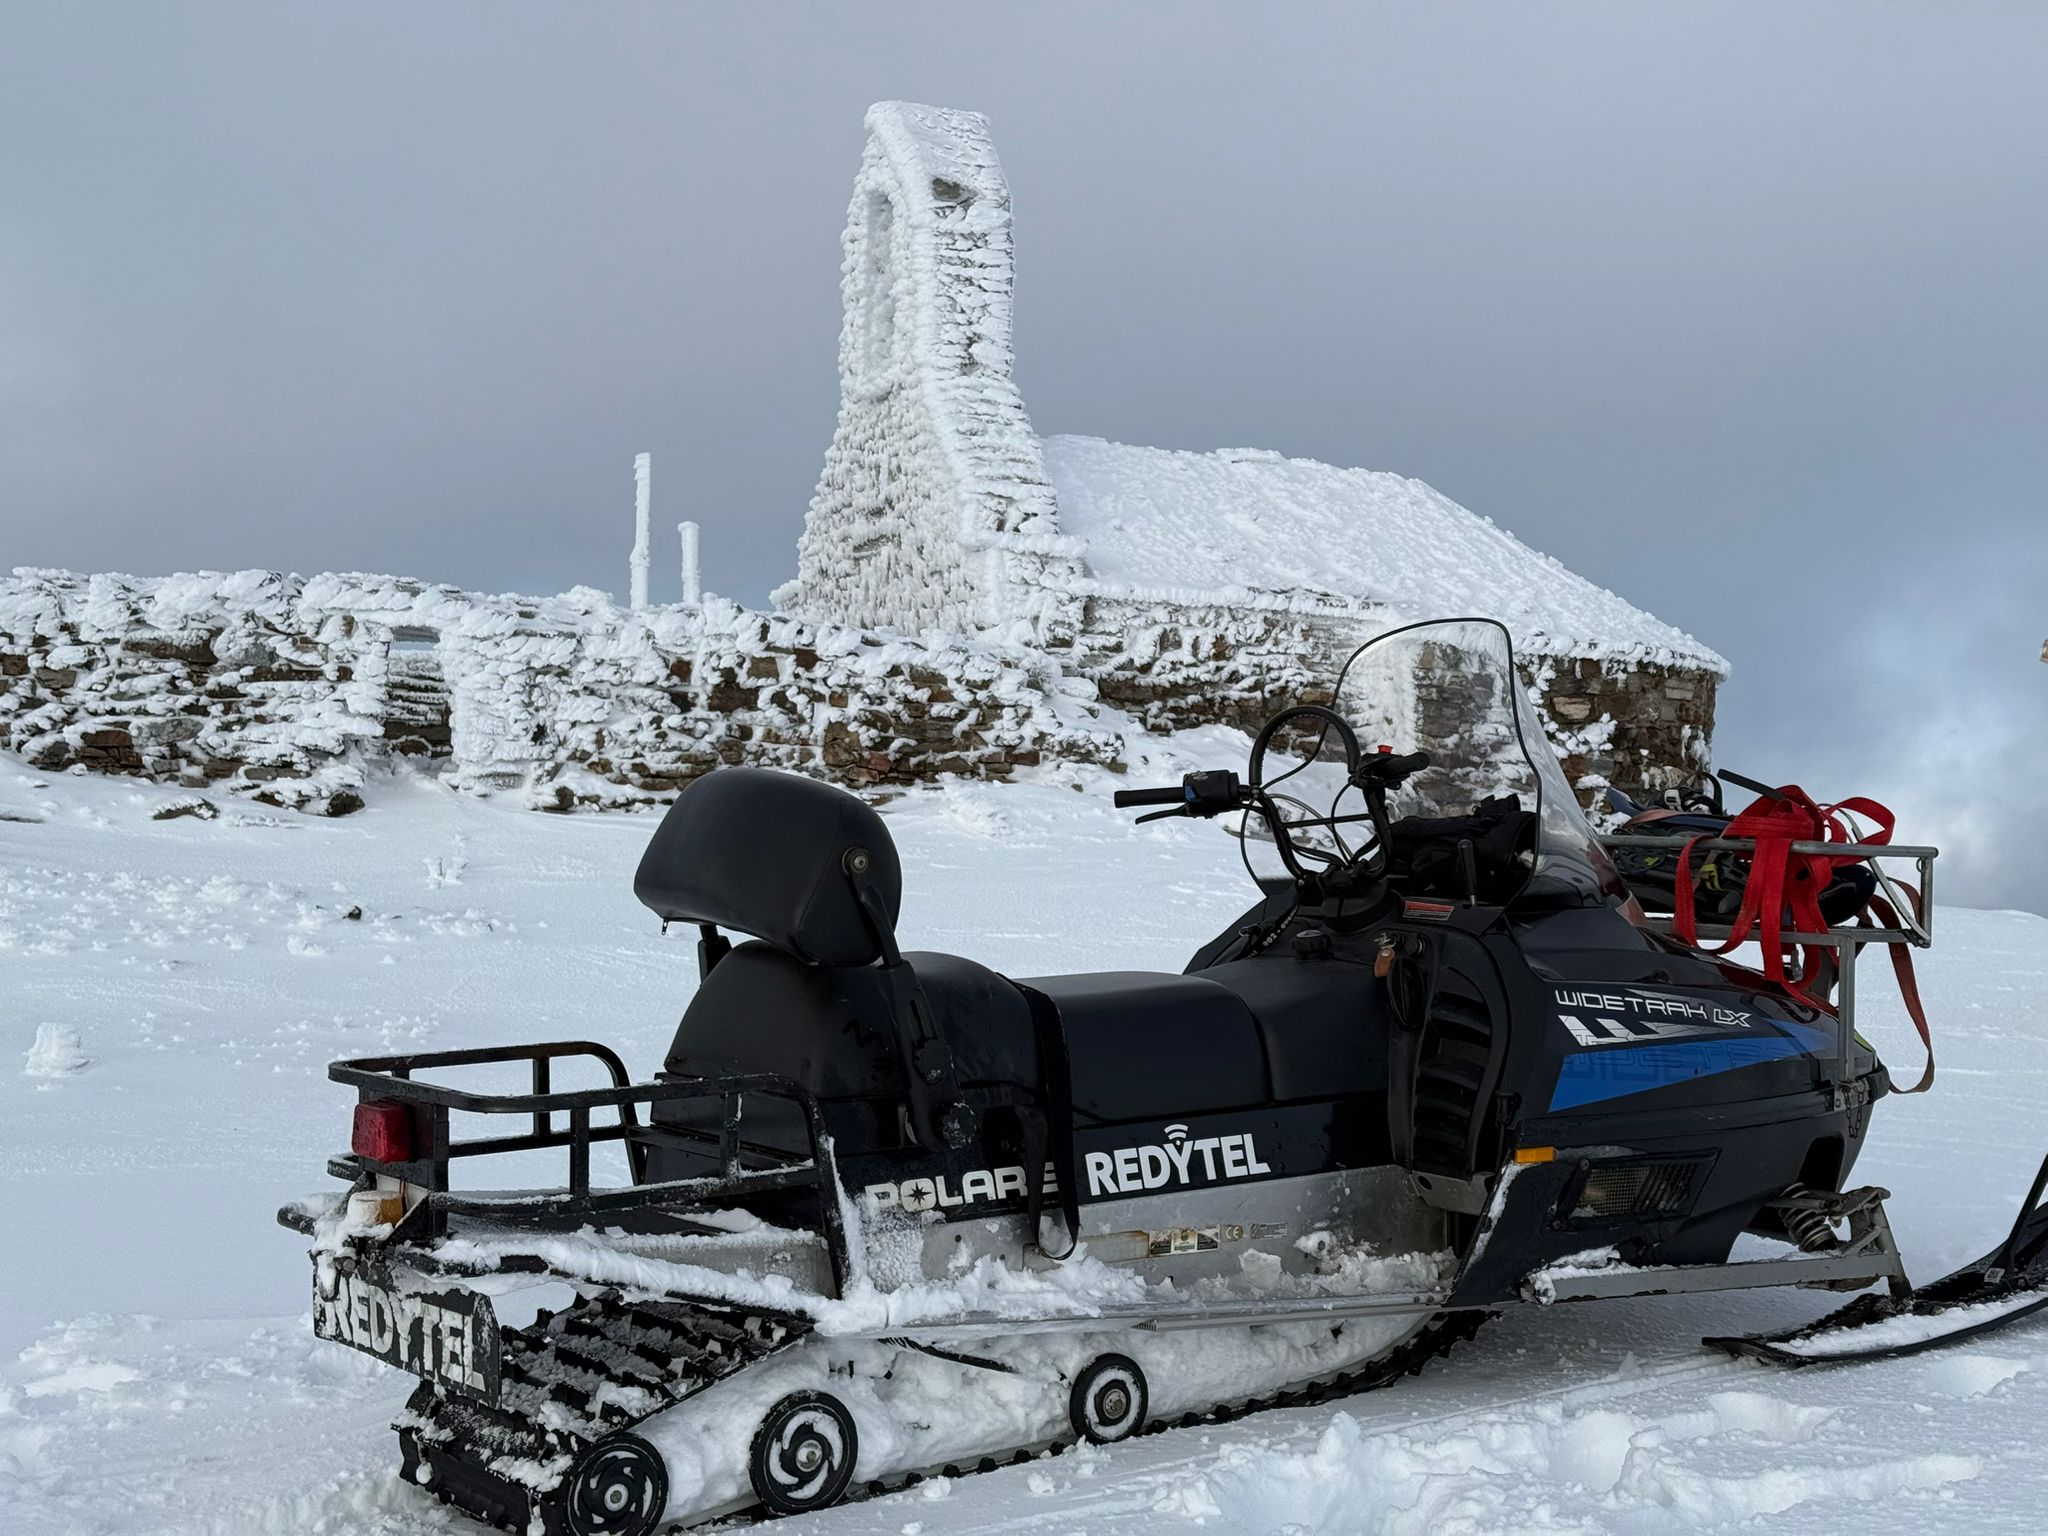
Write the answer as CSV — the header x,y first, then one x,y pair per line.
x,y
564,1118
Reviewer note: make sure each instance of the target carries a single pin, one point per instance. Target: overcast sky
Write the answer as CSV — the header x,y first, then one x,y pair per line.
x,y
1738,309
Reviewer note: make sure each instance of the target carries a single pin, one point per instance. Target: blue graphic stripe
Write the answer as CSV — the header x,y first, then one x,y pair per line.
x,y
1614,1072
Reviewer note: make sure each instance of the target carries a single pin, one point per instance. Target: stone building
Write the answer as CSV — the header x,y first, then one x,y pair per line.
x,y
969,598
1186,587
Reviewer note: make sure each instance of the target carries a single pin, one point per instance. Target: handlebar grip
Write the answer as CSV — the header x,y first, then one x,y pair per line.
x,y
1385,769
1170,795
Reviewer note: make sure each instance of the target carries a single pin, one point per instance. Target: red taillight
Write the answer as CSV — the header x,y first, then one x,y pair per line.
x,y
383,1132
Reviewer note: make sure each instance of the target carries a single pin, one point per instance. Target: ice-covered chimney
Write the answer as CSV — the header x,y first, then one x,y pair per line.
x,y
693,585
643,510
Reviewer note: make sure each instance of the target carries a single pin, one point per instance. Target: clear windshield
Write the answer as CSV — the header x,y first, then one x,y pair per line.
x,y
1450,688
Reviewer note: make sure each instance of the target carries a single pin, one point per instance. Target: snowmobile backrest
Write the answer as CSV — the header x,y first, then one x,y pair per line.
x,y
765,854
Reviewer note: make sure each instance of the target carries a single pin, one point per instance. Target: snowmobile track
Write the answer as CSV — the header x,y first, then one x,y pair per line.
x,y
1434,1340
580,1374
1408,1361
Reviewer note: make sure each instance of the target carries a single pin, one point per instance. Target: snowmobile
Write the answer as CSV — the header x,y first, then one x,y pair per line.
x,y
883,1214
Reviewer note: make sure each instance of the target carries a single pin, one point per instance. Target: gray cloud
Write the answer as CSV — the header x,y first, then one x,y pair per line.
x,y
1736,309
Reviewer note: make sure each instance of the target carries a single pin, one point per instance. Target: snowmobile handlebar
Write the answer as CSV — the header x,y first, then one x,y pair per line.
x,y
1210,792
1170,794
1216,792
1388,769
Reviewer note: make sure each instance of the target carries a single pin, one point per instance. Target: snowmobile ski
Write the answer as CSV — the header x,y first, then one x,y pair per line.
x,y
2006,1285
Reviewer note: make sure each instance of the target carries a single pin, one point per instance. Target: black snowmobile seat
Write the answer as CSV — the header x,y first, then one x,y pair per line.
x,y
1323,1023
767,854
764,853
1139,1045
830,1026
1146,1045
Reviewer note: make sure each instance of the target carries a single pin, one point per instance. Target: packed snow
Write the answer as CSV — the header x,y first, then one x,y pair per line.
x,y
157,1367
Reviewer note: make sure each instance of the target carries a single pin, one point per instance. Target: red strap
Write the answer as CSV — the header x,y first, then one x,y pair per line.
x,y
1783,884
1909,984
1870,811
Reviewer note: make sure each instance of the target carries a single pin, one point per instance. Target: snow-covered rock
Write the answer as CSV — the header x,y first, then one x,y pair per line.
x,y
280,685
57,1052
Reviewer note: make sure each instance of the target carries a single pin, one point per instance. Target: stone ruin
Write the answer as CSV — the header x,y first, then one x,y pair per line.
x,y
282,687
970,599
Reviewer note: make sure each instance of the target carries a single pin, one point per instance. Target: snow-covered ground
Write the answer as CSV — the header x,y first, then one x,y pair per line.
x,y
170,992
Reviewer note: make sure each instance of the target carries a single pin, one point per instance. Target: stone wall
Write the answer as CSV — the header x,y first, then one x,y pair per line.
x,y
1184,665
280,688
204,680
1644,726
1173,667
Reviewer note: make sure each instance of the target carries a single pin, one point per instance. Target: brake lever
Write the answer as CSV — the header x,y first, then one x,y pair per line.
x,y
1178,810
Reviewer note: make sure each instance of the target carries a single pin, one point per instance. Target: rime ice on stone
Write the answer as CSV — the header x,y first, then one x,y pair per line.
x,y
283,687
692,574
933,509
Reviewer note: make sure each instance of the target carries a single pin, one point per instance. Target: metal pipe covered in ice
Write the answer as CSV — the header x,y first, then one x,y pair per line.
x,y
693,589
643,507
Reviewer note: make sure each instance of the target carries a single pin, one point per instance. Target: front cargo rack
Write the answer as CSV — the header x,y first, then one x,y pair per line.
x,y
563,1118
1915,915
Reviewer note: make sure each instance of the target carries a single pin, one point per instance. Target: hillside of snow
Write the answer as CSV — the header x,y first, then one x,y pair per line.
x,y
171,990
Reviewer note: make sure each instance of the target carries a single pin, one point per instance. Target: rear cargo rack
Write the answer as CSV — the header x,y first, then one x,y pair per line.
x,y
391,1079
1916,918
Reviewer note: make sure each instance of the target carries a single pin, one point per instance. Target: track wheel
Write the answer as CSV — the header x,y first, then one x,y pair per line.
x,y
1109,1400
619,1488
803,1454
